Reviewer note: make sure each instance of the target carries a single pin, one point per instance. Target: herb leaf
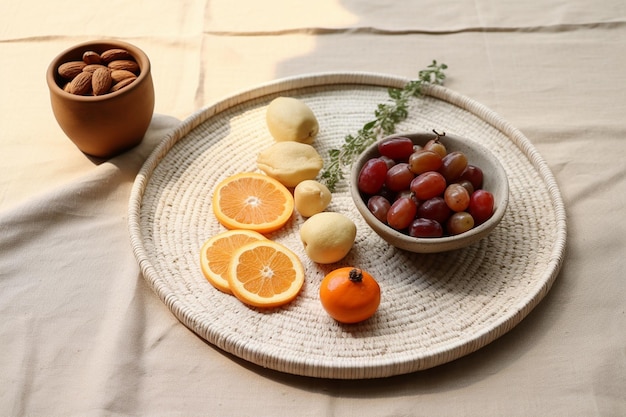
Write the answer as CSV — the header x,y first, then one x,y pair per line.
x,y
387,115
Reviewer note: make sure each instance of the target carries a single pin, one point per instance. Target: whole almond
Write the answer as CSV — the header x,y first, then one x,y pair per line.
x,y
119,75
93,67
91,57
101,81
114,55
81,84
69,70
125,82
124,64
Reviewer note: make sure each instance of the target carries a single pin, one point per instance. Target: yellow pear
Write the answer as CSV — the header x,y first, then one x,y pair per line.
x,y
327,237
311,197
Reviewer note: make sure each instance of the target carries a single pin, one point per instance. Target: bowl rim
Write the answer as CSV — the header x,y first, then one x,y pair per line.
x,y
424,245
140,56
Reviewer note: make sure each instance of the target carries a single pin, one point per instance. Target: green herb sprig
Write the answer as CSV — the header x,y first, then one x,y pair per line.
x,y
387,116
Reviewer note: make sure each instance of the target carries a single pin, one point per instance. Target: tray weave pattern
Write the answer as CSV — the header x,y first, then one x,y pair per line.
x,y
435,307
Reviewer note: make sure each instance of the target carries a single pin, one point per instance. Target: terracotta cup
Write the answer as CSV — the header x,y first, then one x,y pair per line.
x,y
105,125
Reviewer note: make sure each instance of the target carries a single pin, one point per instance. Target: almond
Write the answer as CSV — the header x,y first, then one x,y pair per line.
x,y
119,75
81,84
124,64
101,81
114,55
69,70
91,57
93,67
122,84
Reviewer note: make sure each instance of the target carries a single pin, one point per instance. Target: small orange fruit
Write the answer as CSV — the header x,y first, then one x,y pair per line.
x,y
265,274
252,201
350,295
216,254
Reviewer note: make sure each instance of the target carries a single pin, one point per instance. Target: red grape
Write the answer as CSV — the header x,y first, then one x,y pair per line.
x,y
481,206
401,213
474,175
399,177
459,222
436,146
435,209
379,206
467,185
428,185
372,176
397,148
425,228
456,197
387,193
424,161
452,165
407,194
390,162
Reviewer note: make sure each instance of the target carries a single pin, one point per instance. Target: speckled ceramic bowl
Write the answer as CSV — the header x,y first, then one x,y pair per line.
x,y
495,181
108,124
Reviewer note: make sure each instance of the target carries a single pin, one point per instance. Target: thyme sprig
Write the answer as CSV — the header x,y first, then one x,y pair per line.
x,y
387,115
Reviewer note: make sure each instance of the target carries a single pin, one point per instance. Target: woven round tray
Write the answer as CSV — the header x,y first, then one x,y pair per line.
x,y
435,307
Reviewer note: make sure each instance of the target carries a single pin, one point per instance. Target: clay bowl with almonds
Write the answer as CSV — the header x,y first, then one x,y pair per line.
x,y
102,95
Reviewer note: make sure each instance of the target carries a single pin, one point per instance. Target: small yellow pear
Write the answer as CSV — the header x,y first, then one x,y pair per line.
x,y
327,237
290,119
311,197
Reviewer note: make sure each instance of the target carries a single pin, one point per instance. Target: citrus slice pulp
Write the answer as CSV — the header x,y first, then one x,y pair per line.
x,y
252,201
216,254
265,273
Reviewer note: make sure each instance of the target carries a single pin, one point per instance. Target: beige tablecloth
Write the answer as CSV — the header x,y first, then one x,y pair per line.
x,y
82,334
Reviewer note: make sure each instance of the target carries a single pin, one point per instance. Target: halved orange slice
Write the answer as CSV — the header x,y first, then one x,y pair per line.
x,y
252,201
265,274
216,254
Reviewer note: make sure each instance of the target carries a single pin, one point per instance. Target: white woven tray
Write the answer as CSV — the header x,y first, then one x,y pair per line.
x,y
434,309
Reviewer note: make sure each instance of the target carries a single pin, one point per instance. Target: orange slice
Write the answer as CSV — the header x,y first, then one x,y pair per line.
x,y
216,254
252,201
265,274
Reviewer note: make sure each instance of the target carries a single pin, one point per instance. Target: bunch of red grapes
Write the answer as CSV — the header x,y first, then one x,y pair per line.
x,y
424,191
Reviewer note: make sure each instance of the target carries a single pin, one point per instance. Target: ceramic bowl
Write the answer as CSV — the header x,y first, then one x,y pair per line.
x,y
108,124
495,181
